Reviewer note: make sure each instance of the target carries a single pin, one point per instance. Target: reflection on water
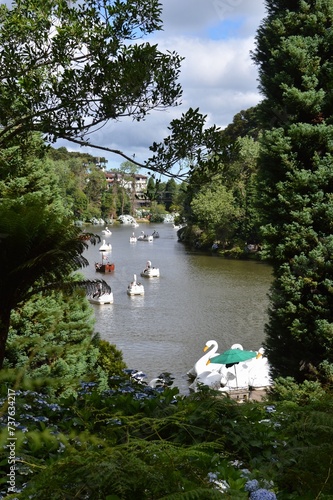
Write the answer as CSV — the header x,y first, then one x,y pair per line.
x,y
196,298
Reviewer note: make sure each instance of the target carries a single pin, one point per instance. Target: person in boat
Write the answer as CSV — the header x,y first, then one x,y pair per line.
x,y
98,291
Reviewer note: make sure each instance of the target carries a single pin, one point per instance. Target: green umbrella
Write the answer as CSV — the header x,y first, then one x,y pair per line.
x,y
233,356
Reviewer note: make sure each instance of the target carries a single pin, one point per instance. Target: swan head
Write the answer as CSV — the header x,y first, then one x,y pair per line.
x,y
209,344
261,352
237,346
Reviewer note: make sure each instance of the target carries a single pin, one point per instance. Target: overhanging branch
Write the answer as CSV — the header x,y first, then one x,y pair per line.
x,y
126,157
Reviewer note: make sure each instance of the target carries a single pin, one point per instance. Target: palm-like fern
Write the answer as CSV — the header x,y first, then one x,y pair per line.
x,y
38,251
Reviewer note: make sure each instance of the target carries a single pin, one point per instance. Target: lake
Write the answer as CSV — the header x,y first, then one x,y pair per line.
x,y
196,298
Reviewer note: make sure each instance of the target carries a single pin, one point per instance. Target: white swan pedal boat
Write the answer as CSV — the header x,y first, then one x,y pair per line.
x,y
145,237
105,247
133,238
248,374
150,272
104,298
106,232
135,288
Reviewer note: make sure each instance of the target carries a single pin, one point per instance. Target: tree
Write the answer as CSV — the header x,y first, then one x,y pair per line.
x,y
38,252
244,123
76,66
51,338
190,147
213,207
295,60
151,189
170,193
95,187
241,177
128,171
27,176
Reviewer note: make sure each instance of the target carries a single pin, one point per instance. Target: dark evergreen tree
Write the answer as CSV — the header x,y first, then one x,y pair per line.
x,y
294,53
39,252
170,193
244,123
151,189
39,245
51,338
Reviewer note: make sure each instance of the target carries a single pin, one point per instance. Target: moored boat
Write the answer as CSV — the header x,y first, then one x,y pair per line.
x,y
101,294
105,247
106,232
135,288
150,272
133,238
233,370
145,237
104,268
105,298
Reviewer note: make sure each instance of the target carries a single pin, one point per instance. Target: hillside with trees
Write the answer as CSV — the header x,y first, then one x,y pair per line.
x,y
220,204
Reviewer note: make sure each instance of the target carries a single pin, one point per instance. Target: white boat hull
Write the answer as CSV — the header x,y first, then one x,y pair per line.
x,y
136,290
106,298
151,273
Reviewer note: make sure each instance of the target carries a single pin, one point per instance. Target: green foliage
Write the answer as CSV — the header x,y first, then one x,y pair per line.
x,y
141,470
49,250
27,176
110,359
213,206
286,389
223,202
50,338
157,212
244,124
136,442
295,185
89,71
190,147
133,441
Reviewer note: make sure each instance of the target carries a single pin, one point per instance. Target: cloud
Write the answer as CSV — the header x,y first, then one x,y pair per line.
x,y
200,16
215,37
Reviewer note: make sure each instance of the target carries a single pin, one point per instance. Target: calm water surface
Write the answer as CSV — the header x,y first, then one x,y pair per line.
x,y
196,298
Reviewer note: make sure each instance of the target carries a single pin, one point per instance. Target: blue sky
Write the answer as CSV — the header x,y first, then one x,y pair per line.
x,y
218,75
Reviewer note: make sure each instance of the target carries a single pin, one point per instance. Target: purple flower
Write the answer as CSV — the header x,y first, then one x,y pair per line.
x,y
262,494
251,485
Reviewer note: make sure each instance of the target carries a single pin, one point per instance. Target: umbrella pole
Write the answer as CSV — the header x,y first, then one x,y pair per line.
x,y
236,376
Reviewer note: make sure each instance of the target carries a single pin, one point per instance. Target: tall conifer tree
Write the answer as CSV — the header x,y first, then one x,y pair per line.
x,y
294,53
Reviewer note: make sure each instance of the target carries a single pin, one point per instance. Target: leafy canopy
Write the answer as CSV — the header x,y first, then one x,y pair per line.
x,y
68,68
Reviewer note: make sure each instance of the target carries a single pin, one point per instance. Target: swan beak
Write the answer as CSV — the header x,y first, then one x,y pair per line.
x,y
205,348
208,362
258,355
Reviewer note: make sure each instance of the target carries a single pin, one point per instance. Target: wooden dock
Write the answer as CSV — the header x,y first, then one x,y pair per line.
x,y
242,395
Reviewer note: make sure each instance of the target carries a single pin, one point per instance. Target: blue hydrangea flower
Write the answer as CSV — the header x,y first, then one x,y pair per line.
x,y
251,485
262,494
212,476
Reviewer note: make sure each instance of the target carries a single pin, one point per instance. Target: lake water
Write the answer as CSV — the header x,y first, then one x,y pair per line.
x,y
195,299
